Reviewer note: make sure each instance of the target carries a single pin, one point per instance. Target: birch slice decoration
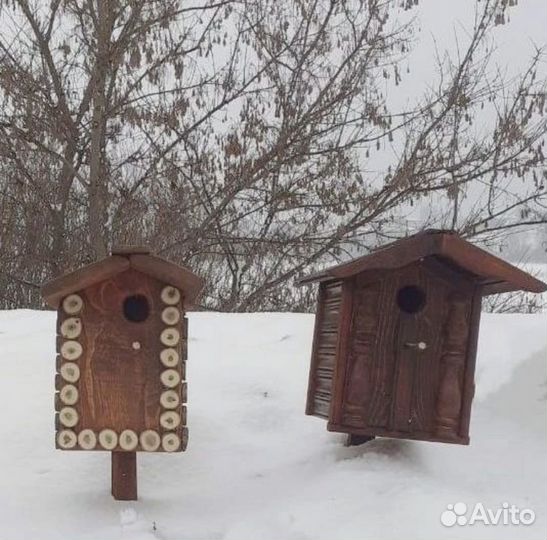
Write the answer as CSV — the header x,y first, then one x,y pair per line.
x,y
73,304
87,439
170,296
70,372
170,442
170,315
71,350
68,416
170,337
169,420
66,439
169,357
169,399
128,439
108,439
71,328
150,440
121,356
170,378
69,394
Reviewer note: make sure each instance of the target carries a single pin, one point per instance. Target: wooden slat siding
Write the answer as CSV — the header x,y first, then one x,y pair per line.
x,y
324,349
469,375
344,325
310,408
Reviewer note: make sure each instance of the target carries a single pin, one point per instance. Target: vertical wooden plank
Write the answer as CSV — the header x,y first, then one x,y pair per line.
x,y
405,373
310,409
361,353
469,375
339,377
124,476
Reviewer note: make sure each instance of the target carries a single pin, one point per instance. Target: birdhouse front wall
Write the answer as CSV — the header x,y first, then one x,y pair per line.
x,y
405,354
121,360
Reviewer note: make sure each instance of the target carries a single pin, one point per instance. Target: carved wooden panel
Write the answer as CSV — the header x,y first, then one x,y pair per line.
x,y
121,379
452,366
362,388
406,371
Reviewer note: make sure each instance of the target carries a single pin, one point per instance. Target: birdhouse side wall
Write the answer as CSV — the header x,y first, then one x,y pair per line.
x,y
324,349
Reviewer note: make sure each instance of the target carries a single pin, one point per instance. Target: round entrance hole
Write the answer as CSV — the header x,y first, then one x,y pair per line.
x,y
136,308
411,299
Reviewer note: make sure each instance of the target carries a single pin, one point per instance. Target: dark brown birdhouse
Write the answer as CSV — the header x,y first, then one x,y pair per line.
x,y
121,356
396,337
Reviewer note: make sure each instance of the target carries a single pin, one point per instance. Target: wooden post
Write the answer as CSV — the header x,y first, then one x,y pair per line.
x,y
124,476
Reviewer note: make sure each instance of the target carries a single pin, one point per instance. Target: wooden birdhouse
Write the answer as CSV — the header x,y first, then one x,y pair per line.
x,y
121,356
396,337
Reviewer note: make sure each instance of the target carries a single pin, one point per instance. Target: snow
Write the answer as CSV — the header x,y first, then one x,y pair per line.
x,y
256,466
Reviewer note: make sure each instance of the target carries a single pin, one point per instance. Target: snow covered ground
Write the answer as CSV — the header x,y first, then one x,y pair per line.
x,y
257,467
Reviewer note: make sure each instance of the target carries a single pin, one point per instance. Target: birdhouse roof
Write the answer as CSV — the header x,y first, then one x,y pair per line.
x,y
120,260
493,273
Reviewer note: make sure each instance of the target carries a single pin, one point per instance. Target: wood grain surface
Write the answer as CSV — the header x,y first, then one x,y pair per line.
x,y
119,386
324,349
383,383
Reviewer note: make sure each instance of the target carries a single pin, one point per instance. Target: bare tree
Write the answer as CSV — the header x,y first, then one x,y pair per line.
x,y
237,137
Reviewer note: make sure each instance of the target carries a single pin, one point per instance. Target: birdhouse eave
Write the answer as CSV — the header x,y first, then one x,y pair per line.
x,y
173,274
494,274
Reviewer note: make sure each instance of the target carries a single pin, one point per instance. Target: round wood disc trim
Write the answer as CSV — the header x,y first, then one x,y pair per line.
x,y
170,378
169,399
71,328
128,439
170,295
71,350
69,394
170,442
70,372
68,416
66,438
169,357
170,337
150,440
170,315
87,439
108,439
73,304
169,420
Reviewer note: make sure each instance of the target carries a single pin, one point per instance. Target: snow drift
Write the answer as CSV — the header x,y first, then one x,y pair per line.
x,y
256,466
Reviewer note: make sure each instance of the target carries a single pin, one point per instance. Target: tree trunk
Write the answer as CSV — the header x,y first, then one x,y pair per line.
x,y
97,170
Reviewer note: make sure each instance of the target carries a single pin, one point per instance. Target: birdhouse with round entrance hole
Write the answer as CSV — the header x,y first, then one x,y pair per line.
x,y
395,337
121,357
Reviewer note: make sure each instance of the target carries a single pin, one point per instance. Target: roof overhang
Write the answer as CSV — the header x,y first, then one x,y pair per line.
x,y
494,274
121,260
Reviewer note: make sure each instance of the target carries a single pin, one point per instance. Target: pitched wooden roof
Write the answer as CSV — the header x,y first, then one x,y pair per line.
x,y
495,274
122,259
